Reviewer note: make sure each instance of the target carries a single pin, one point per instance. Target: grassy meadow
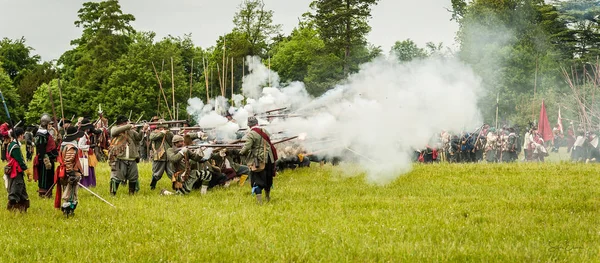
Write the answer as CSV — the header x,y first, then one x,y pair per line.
x,y
436,213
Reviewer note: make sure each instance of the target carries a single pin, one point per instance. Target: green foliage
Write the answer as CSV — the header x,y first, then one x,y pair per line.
x,y
407,50
15,57
256,25
582,17
517,47
342,25
436,213
11,97
33,78
293,56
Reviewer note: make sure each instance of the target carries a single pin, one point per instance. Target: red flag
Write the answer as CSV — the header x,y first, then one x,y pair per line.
x,y
544,128
560,126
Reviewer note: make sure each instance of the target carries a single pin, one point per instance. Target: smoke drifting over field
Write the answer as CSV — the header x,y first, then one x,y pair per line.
x,y
378,116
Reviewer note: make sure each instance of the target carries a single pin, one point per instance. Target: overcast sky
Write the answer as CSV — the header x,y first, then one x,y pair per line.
x,y
48,24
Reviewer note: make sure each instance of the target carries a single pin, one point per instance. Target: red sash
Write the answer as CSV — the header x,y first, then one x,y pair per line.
x,y
266,138
12,162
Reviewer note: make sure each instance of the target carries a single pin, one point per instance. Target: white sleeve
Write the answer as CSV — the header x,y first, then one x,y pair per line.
x,y
82,144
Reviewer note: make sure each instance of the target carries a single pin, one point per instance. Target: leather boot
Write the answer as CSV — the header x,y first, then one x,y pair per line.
x,y
153,184
114,185
268,196
132,187
259,200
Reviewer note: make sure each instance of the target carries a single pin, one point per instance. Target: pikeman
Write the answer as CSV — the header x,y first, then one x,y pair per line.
x,y
123,155
69,172
160,139
46,153
181,158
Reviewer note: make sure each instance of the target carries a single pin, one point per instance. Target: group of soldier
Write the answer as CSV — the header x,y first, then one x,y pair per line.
x,y
505,145
77,149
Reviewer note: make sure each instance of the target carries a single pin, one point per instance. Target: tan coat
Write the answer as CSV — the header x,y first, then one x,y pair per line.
x,y
256,149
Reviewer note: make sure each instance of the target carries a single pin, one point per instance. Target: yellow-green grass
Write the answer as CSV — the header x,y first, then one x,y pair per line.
x,y
442,212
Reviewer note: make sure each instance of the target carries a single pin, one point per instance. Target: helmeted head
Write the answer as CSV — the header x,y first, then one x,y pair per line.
x,y
177,138
45,120
252,121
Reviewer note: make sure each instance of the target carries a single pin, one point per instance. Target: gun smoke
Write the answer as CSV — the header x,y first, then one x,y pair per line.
x,y
377,117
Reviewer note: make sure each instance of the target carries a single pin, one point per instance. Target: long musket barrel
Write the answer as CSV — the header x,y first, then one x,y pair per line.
x,y
237,145
160,122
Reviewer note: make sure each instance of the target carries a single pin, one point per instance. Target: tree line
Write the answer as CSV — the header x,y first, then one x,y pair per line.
x,y
518,47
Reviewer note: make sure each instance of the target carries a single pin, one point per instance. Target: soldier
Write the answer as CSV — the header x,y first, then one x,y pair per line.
x,y
17,168
4,133
180,156
124,155
29,143
261,157
161,140
224,160
46,153
69,173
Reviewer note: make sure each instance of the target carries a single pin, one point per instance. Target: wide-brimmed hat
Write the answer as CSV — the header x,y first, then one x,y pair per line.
x,y
72,134
86,125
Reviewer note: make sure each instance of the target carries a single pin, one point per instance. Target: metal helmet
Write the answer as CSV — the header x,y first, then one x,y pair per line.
x,y
45,120
177,138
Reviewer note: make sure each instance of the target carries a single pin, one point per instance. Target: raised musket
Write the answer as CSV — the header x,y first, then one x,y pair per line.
x,y
160,122
237,145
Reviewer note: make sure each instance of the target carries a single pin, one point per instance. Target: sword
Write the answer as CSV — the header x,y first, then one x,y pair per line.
x,y
96,195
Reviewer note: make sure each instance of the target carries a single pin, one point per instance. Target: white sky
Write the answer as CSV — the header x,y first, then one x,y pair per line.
x,y
48,24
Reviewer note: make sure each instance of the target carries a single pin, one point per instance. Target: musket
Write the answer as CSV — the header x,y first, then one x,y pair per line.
x,y
237,145
160,122
280,115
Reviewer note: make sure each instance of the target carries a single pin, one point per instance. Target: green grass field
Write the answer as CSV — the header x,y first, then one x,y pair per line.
x,y
461,213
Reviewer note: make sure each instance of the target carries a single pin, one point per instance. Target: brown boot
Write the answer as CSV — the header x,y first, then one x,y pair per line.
x,y
259,200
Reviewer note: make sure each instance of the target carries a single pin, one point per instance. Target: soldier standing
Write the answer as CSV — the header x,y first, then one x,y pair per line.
x,y
123,155
46,153
161,140
261,157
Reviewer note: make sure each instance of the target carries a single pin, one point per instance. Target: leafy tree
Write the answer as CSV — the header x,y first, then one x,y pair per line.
x,y
11,97
33,78
342,25
15,58
582,17
256,25
408,50
294,55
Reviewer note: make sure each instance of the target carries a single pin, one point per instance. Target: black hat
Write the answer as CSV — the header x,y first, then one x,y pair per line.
x,y
72,134
86,125
121,119
67,121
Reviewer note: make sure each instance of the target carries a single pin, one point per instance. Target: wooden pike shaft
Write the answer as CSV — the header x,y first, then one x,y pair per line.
x,y
162,90
173,83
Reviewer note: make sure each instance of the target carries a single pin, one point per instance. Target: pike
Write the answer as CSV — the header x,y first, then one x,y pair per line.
x,y
6,108
138,120
96,195
273,110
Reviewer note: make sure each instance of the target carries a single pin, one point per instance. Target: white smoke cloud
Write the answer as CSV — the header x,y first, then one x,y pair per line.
x,y
259,77
378,117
